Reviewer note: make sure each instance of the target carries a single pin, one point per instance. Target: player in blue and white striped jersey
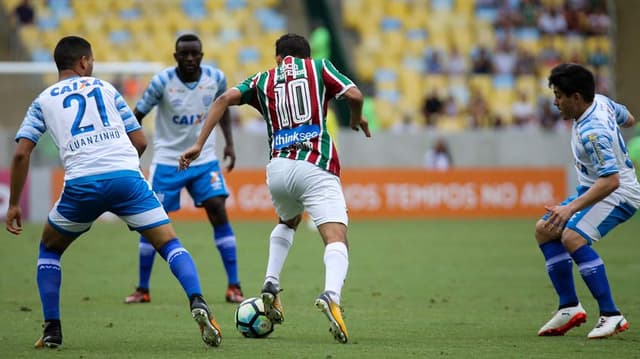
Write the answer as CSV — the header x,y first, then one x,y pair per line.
x,y
183,95
99,141
608,194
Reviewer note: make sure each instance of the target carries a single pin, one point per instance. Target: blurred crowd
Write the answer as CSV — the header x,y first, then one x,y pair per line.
x,y
559,31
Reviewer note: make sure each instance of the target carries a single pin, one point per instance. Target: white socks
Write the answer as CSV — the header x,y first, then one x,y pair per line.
x,y
280,241
336,262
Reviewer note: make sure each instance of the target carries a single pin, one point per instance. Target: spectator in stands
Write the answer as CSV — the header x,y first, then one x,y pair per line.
x,y
552,21
576,18
456,64
433,64
523,112
481,61
525,63
504,59
508,16
24,14
478,111
599,21
497,122
450,106
528,10
432,108
438,157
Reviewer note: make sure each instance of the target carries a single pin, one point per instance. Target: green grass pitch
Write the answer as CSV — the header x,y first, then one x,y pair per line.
x,y
415,289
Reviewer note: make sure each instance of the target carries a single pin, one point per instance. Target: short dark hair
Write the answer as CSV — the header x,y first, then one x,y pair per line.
x,y
293,45
571,78
69,51
188,37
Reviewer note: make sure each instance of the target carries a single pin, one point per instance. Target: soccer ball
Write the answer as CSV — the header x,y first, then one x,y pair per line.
x,y
251,320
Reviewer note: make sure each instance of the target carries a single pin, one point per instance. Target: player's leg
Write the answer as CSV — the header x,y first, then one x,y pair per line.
x,y
280,242
559,265
336,261
166,183
134,202
289,210
72,215
49,279
208,189
324,200
165,241
146,257
582,230
225,241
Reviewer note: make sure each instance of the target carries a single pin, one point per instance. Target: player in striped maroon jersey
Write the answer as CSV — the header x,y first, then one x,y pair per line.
x,y
303,173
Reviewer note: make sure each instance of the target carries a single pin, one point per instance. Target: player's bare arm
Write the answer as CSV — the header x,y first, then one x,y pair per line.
x,y
229,153
559,215
139,115
19,171
138,140
630,120
219,107
355,100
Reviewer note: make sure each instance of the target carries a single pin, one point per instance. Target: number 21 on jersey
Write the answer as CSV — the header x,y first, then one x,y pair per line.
x,y
81,100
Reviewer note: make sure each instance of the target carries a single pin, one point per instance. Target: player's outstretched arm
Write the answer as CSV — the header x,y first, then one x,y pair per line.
x,y
19,171
220,105
229,153
355,99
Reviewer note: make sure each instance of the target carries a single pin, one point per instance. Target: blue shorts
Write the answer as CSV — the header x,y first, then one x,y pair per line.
x,y
128,196
596,221
202,182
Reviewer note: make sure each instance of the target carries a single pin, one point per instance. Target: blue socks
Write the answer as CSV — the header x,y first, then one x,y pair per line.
x,y
560,269
594,274
147,254
559,266
225,241
182,266
49,278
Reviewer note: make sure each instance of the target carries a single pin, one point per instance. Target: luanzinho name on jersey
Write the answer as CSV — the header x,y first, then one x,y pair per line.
x,y
96,138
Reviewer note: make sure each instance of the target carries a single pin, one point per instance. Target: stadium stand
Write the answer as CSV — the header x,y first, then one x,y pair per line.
x,y
523,39
404,48
136,30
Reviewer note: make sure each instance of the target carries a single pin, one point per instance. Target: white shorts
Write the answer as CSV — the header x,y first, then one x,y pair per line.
x,y
297,186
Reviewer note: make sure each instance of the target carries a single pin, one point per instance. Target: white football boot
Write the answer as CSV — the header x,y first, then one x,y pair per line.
x,y
608,326
563,320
